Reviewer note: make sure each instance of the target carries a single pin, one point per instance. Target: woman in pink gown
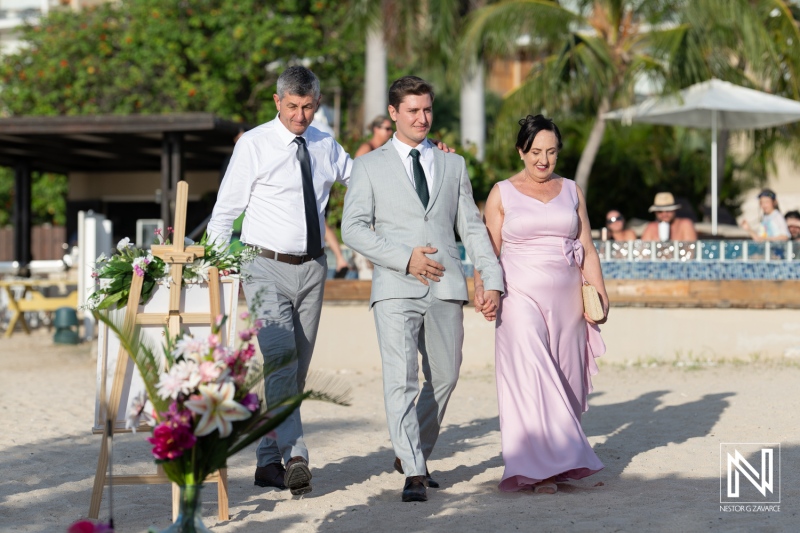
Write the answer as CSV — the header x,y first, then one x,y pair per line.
x,y
545,345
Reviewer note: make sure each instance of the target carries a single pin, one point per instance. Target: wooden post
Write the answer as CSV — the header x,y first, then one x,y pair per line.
x,y
177,255
22,213
166,149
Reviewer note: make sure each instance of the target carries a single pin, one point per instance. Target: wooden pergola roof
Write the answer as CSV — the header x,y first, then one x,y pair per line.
x,y
170,143
108,143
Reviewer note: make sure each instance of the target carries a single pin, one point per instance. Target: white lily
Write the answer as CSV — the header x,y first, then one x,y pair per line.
x,y
199,270
124,243
217,409
139,410
166,276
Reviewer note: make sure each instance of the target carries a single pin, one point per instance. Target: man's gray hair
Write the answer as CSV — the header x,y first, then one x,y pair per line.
x,y
298,81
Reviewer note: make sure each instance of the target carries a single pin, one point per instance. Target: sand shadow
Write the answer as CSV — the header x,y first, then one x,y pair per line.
x,y
642,424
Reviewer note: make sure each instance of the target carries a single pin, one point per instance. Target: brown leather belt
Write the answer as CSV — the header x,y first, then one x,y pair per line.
x,y
288,258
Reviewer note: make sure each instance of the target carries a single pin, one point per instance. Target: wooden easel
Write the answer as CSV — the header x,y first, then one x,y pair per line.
x,y
177,255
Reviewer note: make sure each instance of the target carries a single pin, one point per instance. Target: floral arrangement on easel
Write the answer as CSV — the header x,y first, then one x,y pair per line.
x,y
127,261
200,400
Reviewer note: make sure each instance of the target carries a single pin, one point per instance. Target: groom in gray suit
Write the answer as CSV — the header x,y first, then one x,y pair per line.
x,y
416,198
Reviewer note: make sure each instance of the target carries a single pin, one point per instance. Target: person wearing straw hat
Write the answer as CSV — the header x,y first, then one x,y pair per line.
x,y
667,226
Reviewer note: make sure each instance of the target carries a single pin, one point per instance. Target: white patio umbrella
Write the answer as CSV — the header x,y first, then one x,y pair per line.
x,y
714,104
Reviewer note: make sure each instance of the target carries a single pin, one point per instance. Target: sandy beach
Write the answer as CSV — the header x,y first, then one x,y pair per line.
x,y
657,429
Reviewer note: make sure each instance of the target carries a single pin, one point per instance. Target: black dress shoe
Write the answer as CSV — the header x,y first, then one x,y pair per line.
x,y
429,481
270,476
298,476
414,489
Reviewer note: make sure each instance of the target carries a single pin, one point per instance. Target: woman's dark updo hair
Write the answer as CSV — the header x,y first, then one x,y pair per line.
x,y
532,125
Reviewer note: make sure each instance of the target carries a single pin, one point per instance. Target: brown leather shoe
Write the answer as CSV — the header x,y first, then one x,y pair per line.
x,y
270,476
429,481
414,489
298,476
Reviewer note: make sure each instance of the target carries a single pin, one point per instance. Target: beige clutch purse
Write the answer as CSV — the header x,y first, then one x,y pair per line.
x,y
591,302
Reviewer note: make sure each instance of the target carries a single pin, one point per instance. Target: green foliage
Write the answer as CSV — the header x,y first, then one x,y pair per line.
x,y
155,56
48,197
127,261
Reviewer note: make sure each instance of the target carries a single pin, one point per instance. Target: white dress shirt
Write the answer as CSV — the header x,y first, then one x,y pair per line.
x,y
425,158
264,178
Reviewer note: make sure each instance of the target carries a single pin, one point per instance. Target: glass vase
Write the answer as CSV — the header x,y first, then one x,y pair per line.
x,y
190,518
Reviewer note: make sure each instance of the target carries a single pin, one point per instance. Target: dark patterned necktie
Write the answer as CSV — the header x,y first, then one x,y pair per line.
x,y
313,239
420,183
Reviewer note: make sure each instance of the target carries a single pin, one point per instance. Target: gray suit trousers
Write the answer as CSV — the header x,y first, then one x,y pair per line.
x,y
407,327
288,300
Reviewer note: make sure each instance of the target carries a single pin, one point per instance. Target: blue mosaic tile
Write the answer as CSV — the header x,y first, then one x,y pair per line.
x,y
709,268
763,270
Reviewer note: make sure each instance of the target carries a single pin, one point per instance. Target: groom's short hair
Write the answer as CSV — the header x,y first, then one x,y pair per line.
x,y
408,85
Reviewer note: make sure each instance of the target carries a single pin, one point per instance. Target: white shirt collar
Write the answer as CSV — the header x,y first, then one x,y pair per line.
x,y
403,149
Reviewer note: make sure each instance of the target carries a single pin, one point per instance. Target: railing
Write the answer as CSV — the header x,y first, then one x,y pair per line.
x,y
686,251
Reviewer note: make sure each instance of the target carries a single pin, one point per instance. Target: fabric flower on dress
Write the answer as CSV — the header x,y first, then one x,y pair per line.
x,y
217,409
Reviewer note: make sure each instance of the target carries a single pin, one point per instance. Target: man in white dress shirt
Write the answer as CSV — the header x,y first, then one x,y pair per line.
x,y
282,173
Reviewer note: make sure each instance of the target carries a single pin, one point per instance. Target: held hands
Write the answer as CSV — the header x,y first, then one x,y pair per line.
x,y
421,267
487,302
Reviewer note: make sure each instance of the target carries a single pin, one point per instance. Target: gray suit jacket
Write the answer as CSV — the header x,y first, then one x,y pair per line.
x,y
380,194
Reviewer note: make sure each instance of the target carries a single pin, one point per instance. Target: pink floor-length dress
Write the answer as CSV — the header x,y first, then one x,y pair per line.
x,y
544,347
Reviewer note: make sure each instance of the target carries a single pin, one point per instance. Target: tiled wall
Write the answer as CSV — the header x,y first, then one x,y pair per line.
x,y
707,269
773,270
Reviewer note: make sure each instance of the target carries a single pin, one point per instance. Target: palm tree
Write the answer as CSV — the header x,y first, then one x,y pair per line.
x,y
586,52
375,82
596,51
424,32
391,28
755,44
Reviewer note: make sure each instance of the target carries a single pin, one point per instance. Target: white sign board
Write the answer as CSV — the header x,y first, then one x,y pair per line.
x,y
194,299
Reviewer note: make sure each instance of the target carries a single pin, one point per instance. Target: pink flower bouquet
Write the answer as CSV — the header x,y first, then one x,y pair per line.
x,y
200,399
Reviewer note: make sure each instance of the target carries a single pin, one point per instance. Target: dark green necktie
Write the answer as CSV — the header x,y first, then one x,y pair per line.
x,y
420,183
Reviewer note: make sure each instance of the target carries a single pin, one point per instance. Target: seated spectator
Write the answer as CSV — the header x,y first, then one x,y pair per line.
x,y
615,228
793,221
773,226
668,227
